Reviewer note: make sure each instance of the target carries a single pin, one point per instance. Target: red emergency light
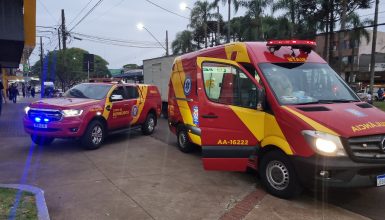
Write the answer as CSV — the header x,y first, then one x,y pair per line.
x,y
305,45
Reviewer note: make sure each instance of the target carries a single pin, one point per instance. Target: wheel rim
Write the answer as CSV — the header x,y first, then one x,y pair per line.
x,y
151,124
182,139
277,175
97,135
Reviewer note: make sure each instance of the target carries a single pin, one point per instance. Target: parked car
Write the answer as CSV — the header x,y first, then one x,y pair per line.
x,y
90,111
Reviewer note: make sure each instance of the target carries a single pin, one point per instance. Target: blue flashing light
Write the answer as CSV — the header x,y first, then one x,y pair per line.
x,y
37,119
46,120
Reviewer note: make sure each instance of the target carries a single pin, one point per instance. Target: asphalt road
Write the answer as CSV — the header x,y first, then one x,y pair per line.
x,y
138,177
369,202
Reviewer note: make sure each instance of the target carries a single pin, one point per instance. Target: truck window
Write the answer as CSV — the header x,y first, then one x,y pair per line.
x,y
228,85
132,92
120,91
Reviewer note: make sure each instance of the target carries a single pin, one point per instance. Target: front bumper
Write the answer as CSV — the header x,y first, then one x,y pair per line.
x,y
66,128
343,172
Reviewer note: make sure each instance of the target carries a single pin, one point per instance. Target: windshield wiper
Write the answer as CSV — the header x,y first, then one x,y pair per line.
x,y
328,101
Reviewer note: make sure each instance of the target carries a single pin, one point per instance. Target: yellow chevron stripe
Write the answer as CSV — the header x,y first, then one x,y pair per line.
x,y
317,126
108,102
140,102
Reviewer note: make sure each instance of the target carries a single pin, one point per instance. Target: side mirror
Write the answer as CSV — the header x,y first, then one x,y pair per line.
x,y
261,99
116,98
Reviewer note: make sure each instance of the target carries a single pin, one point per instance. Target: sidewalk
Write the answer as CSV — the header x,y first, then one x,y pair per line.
x,y
11,120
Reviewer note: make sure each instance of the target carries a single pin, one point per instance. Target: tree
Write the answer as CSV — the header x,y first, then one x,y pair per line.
x,y
292,8
183,43
235,4
200,15
357,33
254,13
69,69
131,66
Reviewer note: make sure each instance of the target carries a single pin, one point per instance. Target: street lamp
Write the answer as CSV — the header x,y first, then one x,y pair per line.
x,y
141,26
183,6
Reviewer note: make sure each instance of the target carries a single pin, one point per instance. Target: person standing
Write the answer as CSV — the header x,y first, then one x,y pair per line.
x,y
2,96
14,92
380,94
33,91
23,89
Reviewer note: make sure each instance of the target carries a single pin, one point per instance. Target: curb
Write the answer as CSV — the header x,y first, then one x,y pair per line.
x,y
42,210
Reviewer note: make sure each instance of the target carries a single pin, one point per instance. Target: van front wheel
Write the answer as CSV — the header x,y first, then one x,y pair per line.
x,y
184,143
278,175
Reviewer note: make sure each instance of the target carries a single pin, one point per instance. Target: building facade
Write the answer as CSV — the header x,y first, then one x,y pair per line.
x,y
355,57
17,36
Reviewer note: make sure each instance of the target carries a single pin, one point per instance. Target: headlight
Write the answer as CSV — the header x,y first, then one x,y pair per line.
x,y
72,112
324,143
26,109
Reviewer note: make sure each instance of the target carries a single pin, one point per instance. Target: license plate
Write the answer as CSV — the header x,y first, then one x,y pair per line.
x,y
39,125
381,180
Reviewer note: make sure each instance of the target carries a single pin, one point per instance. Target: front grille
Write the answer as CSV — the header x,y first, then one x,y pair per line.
x,y
51,115
367,148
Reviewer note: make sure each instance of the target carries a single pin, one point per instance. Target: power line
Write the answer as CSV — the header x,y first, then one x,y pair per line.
x,y
143,43
121,45
105,12
88,13
49,13
89,2
165,9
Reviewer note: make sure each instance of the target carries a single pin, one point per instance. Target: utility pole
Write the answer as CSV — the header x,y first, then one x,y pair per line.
x,y
218,28
374,42
58,36
41,68
41,57
167,43
63,30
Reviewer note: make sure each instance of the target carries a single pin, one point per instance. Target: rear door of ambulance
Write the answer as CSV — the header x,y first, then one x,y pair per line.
x,y
231,127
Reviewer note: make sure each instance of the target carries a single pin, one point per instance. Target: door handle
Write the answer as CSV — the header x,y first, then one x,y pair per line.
x,y
210,116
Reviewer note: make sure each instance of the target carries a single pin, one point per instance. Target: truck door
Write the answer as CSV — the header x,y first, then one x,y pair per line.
x,y
231,126
119,116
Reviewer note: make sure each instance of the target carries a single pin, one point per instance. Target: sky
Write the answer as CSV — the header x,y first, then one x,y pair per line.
x,y
118,19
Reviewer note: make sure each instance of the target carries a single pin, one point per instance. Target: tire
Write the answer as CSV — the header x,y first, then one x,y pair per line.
x,y
94,136
184,143
41,140
149,125
278,175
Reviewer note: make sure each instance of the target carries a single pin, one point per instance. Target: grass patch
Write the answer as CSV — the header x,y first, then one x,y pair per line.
x,y
27,205
380,105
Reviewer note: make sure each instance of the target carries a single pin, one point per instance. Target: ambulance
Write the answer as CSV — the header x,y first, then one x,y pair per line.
x,y
279,108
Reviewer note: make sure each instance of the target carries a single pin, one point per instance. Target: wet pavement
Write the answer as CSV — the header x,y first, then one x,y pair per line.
x,y
146,177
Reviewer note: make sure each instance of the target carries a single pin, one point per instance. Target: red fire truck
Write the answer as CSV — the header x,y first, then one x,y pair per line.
x,y
90,111
279,108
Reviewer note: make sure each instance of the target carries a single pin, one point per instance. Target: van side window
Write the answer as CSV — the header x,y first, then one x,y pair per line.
x,y
132,92
228,85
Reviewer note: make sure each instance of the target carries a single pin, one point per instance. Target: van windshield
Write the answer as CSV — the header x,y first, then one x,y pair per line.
x,y
306,83
88,91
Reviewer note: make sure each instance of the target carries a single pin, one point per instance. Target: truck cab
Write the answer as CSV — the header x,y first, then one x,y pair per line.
x,y
279,108
90,111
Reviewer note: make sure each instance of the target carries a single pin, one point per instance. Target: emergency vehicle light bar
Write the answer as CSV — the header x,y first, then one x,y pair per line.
x,y
305,45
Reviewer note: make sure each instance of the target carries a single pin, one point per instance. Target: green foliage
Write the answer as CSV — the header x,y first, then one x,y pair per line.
x,y
183,43
131,66
26,208
69,67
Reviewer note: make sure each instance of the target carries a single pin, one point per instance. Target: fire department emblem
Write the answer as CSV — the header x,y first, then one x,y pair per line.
x,y
187,86
134,111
